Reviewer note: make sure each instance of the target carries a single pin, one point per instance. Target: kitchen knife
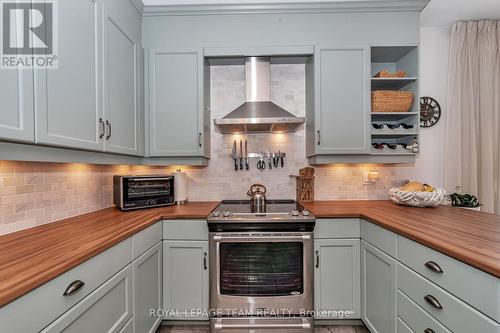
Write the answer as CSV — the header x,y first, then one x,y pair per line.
x,y
241,155
247,166
269,159
282,158
233,155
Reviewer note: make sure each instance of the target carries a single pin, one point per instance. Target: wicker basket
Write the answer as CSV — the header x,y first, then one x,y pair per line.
x,y
391,101
417,199
386,73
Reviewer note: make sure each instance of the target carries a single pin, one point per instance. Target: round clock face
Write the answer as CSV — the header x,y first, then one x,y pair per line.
x,y
430,111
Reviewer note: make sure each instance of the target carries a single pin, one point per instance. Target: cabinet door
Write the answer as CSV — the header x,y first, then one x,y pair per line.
x,y
185,279
175,86
121,36
107,309
16,93
337,278
378,289
147,289
67,99
342,100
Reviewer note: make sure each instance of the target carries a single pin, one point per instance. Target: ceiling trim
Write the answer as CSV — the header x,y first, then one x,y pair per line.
x,y
283,8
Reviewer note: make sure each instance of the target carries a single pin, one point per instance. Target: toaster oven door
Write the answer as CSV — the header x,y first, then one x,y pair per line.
x,y
144,191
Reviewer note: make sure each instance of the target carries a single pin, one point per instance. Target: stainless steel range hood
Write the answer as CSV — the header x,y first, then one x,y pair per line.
x,y
258,113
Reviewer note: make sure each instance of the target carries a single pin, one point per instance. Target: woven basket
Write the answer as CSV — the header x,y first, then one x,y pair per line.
x,y
417,199
386,73
391,101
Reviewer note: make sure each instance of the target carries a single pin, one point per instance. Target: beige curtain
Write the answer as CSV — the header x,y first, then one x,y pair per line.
x,y
472,145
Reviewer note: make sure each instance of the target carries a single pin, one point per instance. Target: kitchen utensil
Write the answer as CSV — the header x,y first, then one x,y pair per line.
x,y
282,158
241,155
269,159
275,160
257,194
247,166
261,165
233,156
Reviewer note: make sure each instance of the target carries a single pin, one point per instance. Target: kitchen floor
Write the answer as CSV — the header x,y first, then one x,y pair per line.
x,y
317,329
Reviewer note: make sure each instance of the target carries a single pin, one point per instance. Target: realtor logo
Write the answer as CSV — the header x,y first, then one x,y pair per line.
x,y
29,34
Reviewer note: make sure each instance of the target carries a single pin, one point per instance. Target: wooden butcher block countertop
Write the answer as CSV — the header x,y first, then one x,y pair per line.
x,y
469,236
32,257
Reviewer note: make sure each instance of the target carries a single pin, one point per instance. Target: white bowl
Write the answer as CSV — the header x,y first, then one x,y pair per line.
x,y
417,199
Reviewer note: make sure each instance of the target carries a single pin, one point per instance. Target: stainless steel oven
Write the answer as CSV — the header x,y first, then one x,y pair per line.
x,y
261,274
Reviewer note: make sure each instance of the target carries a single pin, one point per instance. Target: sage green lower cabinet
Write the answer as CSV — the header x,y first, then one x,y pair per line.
x,y
106,309
403,328
185,279
148,281
337,278
378,289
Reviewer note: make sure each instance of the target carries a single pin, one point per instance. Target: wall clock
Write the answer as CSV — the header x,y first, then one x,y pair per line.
x,y
430,111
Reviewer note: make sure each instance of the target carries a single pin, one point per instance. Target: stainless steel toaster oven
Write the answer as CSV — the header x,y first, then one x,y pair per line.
x,y
134,192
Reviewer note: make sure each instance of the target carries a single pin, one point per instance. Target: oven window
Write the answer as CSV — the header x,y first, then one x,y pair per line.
x,y
261,269
144,188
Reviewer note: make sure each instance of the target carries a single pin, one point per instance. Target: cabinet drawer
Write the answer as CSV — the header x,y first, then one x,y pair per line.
x,y
146,239
416,318
379,237
337,228
107,309
457,316
454,276
185,229
45,303
403,328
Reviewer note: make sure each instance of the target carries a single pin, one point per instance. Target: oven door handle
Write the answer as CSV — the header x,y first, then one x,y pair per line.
x,y
264,237
148,179
219,325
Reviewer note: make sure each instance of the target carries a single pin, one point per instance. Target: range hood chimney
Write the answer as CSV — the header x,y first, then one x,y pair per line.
x,y
258,113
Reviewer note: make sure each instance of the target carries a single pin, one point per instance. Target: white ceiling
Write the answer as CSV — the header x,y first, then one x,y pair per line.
x,y
445,12
223,2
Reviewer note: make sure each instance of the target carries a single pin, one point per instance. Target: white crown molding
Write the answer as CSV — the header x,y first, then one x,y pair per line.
x,y
283,8
139,5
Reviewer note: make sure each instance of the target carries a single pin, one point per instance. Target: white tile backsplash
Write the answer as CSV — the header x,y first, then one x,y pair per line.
x,y
36,193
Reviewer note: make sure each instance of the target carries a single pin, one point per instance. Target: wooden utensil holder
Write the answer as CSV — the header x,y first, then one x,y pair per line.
x,y
305,188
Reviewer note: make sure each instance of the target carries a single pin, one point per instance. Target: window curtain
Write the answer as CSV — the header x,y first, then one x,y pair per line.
x,y
472,144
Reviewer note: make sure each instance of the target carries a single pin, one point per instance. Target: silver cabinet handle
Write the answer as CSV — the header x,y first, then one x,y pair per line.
x,y
428,330
103,128
319,137
432,301
199,139
73,288
205,266
317,258
434,267
109,127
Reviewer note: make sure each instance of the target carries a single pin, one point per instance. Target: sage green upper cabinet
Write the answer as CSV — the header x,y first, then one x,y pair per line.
x,y
16,94
338,105
68,99
178,110
121,46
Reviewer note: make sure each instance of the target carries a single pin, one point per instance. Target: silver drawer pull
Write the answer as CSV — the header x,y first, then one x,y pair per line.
x,y
432,266
432,301
428,330
73,288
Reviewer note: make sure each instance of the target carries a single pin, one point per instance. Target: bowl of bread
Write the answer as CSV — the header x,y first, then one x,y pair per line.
x,y
417,194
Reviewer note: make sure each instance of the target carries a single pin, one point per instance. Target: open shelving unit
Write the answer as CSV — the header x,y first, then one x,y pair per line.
x,y
395,58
